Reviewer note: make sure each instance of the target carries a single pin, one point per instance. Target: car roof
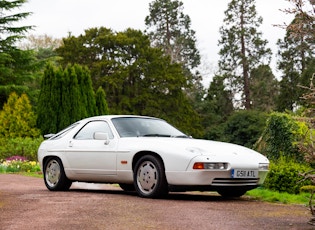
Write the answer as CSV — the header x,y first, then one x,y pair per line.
x,y
109,117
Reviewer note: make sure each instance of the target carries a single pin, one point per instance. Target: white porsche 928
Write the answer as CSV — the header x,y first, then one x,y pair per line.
x,y
149,156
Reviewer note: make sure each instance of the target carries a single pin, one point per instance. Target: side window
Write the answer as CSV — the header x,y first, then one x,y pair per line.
x,y
87,132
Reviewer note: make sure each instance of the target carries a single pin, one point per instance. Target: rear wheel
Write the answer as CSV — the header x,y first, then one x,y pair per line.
x,y
149,177
54,175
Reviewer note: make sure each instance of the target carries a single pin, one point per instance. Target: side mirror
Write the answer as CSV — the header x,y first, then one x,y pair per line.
x,y
101,136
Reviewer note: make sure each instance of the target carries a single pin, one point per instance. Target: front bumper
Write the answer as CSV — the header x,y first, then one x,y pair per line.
x,y
213,178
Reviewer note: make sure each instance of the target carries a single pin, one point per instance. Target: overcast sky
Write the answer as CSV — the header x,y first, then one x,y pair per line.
x,y
58,17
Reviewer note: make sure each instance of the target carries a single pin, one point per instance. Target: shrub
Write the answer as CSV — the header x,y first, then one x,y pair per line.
x,y
284,176
25,147
17,118
281,137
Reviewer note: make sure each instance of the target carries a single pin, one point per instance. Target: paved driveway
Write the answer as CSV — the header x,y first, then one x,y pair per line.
x,y
25,203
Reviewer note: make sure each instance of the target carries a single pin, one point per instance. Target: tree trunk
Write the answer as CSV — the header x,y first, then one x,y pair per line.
x,y
245,65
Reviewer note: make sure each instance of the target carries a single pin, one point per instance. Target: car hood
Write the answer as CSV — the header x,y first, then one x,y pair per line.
x,y
197,147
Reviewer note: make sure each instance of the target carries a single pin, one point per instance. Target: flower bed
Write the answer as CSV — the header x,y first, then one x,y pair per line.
x,y
18,164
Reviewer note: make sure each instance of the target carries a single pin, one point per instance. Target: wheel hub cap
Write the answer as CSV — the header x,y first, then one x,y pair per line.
x,y
147,177
52,173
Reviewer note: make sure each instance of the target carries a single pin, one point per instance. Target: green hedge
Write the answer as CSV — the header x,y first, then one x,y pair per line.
x,y
26,147
284,176
281,137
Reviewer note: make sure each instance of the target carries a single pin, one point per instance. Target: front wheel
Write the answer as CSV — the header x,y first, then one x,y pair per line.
x,y
54,175
149,177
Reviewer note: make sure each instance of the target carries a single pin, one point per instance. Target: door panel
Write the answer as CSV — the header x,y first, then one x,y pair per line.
x,y
92,157
85,155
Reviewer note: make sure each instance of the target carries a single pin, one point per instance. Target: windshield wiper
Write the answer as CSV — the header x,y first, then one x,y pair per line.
x,y
163,135
181,136
155,135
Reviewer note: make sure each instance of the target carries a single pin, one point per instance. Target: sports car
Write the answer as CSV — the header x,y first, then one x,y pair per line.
x,y
149,156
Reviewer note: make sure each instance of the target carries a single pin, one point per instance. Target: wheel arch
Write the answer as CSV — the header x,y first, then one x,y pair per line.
x,y
140,154
46,158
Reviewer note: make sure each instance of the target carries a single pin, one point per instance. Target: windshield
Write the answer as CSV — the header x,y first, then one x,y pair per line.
x,y
145,127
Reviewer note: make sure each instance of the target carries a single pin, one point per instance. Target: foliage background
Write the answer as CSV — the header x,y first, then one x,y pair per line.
x,y
50,83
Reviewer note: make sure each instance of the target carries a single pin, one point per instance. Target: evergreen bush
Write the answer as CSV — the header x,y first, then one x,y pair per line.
x,y
17,118
281,137
284,176
66,96
19,146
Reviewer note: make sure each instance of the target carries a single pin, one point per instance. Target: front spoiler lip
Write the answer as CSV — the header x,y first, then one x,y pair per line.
x,y
209,188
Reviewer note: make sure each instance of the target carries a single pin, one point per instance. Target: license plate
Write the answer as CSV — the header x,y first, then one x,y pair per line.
x,y
242,173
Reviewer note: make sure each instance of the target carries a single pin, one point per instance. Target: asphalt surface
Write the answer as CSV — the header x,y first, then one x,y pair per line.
x,y
25,203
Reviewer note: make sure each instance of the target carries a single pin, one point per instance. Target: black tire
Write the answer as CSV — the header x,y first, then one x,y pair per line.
x,y
149,177
127,187
232,192
54,175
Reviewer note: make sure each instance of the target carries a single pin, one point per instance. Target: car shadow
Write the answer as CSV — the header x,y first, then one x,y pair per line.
x,y
186,196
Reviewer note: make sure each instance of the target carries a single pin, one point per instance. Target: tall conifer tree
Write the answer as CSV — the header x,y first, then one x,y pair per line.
x,y
170,29
86,91
264,89
63,98
15,64
217,107
70,103
296,54
48,101
242,48
101,103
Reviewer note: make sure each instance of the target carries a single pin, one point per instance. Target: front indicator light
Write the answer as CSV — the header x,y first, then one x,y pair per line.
x,y
198,166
